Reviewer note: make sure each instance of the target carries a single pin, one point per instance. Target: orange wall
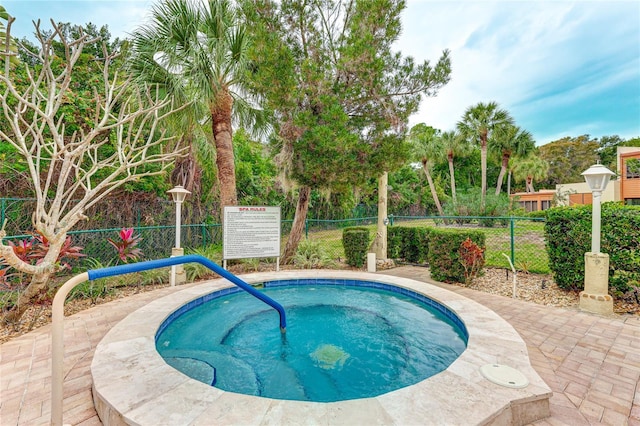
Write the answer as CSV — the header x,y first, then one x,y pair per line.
x,y
580,199
629,188
536,197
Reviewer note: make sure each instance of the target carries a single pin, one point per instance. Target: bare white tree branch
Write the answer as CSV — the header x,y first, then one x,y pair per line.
x,y
118,142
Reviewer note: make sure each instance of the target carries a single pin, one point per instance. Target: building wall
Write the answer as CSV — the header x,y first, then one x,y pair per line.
x,y
624,188
579,193
629,182
534,201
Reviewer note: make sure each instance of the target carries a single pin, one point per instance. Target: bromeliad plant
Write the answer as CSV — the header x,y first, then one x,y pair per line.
x,y
37,248
33,252
22,249
126,247
472,259
67,251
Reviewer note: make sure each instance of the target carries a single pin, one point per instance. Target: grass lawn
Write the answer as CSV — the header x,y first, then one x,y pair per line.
x,y
529,246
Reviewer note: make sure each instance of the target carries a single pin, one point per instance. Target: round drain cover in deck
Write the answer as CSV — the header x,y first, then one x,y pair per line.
x,y
504,375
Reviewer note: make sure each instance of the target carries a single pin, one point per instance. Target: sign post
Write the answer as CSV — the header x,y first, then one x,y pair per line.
x,y
251,232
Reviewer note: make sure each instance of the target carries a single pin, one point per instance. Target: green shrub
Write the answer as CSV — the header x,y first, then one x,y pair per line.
x,y
92,290
310,254
470,204
568,238
154,276
537,214
444,252
355,241
410,244
196,271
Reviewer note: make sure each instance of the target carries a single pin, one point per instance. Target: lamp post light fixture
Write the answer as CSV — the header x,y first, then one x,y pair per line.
x,y
595,297
597,177
178,194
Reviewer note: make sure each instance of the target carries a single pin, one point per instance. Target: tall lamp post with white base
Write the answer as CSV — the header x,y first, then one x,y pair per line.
x,y
595,297
177,271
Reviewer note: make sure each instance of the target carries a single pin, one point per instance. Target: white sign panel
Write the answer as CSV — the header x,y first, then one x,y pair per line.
x,y
251,231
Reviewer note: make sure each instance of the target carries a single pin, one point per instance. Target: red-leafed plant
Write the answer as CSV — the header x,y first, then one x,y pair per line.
x,y
472,260
126,247
33,251
4,283
67,251
22,249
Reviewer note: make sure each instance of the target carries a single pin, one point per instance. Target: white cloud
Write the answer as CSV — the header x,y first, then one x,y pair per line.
x,y
535,58
122,16
528,56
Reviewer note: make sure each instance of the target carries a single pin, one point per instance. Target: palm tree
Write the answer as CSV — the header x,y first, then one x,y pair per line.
x,y
198,51
478,124
531,169
426,146
508,141
454,145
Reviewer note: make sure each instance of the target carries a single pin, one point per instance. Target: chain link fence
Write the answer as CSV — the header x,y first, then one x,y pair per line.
x,y
520,239
132,210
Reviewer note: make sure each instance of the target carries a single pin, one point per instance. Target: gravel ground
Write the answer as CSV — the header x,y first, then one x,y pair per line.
x,y
539,289
530,287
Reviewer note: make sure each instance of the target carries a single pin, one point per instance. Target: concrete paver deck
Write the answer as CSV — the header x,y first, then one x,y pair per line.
x,y
591,363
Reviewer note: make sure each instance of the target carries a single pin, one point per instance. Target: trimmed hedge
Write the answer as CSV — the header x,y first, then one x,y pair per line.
x,y
355,241
444,255
410,244
568,235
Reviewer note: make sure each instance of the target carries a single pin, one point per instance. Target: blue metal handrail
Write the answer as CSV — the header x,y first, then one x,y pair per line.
x,y
57,312
178,260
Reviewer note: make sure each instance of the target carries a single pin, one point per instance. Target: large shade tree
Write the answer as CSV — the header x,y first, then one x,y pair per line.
x,y
197,51
75,156
340,96
478,125
510,140
427,149
568,158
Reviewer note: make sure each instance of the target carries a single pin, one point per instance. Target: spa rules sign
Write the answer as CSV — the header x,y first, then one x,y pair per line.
x,y
251,231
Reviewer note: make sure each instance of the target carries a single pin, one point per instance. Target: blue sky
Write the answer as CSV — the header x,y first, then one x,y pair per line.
x,y
561,67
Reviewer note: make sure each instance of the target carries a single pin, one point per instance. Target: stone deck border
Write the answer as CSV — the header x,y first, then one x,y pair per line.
x,y
591,363
133,385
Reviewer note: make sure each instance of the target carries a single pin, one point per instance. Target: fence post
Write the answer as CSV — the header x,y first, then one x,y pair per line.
x,y
513,246
3,206
203,230
306,229
391,219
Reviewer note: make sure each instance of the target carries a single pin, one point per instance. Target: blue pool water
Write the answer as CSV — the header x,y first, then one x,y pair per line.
x,y
342,341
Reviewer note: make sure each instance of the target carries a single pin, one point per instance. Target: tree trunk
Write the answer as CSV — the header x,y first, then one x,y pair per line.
x,y
432,187
222,135
298,224
453,178
503,171
35,291
509,183
483,167
38,287
529,185
380,243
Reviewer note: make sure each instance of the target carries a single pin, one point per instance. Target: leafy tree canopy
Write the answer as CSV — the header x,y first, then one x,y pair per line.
x,y
339,95
568,158
609,148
